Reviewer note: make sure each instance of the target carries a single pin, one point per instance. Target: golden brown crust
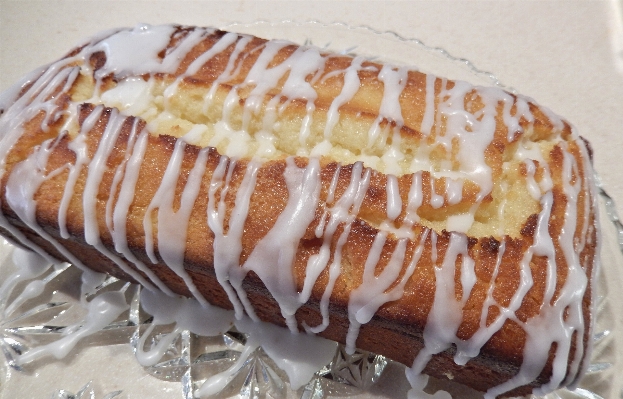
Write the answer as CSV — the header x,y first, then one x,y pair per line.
x,y
396,330
398,324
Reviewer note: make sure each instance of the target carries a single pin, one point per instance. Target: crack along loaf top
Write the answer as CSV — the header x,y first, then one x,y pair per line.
x,y
449,227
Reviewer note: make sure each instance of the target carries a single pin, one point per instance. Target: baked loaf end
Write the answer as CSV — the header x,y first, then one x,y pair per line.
x,y
449,227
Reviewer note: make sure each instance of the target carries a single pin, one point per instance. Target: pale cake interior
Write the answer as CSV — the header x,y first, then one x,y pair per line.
x,y
196,114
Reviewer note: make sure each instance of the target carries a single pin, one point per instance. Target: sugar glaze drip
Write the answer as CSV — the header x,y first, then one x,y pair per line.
x,y
300,356
130,53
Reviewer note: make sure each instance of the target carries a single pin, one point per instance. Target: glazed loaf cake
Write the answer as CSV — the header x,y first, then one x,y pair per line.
x,y
449,227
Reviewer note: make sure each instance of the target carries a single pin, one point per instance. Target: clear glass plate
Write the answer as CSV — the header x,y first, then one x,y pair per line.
x,y
104,365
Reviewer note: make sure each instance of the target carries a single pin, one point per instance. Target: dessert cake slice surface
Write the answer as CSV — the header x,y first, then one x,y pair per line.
x,y
449,227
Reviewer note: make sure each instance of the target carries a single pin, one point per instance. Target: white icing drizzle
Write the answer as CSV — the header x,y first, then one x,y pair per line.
x,y
590,203
90,282
299,355
133,55
220,46
35,99
471,347
415,199
375,291
228,247
394,82
349,89
279,246
129,169
433,256
30,265
173,225
186,313
156,352
446,313
117,179
229,72
263,79
554,119
96,169
216,383
460,223
533,187
571,296
21,187
33,289
429,113
135,52
454,190
512,121
79,147
102,310
303,62
343,212
537,347
436,200
12,94
394,202
529,152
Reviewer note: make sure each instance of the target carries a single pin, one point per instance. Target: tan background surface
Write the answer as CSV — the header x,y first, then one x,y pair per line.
x,y
568,55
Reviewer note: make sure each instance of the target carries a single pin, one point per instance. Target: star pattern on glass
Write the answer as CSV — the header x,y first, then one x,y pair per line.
x,y
86,392
46,305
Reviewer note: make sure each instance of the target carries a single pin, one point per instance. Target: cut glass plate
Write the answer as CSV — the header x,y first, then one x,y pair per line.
x,y
46,305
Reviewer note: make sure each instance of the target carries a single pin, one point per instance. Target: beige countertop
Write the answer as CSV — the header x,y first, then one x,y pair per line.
x,y
567,55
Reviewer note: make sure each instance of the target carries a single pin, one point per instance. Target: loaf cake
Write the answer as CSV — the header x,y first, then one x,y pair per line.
x,y
449,227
